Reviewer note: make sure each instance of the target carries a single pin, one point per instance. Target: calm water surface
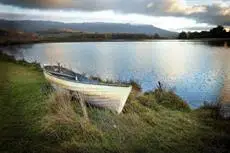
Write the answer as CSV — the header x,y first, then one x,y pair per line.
x,y
196,71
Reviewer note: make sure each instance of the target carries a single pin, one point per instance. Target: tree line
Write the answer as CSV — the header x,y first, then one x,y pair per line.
x,y
218,32
84,36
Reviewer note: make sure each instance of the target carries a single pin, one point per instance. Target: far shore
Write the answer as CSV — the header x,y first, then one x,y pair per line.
x,y
8,43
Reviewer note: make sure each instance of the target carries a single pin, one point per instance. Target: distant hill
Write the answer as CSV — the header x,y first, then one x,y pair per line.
x,y
36,26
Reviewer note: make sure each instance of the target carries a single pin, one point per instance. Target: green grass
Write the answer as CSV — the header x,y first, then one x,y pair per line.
x,y
21,104
32,120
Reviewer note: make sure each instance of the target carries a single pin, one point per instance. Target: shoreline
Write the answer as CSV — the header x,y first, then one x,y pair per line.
x,y
113,40
136,84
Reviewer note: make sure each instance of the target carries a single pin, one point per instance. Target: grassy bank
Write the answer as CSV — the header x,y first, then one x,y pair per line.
x,y
35,120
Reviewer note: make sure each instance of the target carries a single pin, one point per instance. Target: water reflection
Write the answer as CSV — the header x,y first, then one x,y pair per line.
x,y
219,43
195,70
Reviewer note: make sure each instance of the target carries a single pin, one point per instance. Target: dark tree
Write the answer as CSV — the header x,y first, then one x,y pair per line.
x,y
218,32
156,36
182,35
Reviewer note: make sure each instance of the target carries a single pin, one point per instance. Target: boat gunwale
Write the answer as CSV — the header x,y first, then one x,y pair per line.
x,y
88,83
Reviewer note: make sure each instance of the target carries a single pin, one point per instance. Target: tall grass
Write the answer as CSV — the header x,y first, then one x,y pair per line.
x,y
214,107
64,120
165,98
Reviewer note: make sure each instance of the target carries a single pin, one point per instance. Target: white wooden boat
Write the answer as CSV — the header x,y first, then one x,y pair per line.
x,y
111,96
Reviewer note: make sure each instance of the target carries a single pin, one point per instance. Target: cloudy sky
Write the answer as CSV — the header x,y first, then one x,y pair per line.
x,y
175,15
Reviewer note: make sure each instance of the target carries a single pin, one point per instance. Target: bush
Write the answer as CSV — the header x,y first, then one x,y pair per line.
x,y
135,85
214,107
170,100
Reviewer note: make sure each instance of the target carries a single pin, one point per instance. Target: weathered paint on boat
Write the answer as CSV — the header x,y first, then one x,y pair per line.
x,y
101,95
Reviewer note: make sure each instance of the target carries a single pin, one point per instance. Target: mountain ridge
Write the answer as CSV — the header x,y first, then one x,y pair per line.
x,y
96,27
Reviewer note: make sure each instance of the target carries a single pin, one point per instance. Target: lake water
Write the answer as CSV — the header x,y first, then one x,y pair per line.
x,y
195,70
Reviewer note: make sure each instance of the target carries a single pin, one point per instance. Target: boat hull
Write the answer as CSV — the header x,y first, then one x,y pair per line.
x,y
105,96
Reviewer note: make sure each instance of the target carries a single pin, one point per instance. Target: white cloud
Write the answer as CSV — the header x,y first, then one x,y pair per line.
x,y
210,12
176,23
